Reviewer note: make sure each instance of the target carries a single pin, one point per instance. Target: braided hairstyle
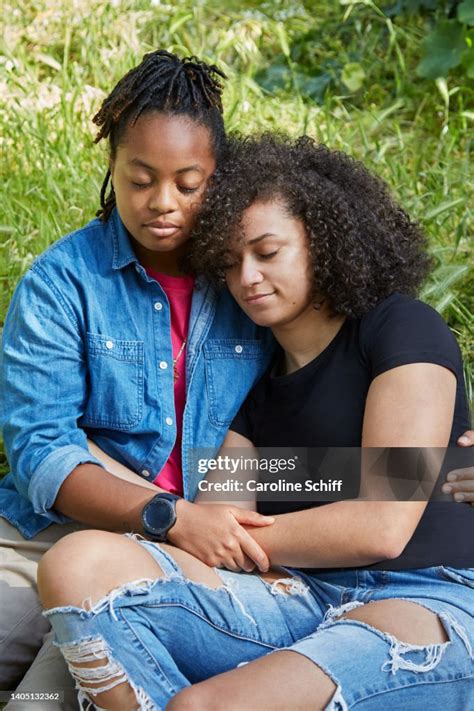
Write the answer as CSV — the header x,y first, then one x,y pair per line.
x,y
166,83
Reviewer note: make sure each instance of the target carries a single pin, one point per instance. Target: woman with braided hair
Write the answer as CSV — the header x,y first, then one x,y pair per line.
x,y
107,338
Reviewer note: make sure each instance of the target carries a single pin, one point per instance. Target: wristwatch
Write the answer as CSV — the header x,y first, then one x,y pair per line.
x,y
158,516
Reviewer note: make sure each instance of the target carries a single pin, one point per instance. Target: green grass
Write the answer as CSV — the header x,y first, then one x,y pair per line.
x,y
61,56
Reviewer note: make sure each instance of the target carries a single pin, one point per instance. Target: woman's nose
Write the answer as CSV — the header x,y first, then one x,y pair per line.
x,y
163,200
249,274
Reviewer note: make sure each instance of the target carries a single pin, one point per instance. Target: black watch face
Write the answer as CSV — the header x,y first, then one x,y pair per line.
x,y
158,516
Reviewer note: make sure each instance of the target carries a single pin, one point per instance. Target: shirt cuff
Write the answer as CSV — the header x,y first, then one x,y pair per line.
x,y
50,475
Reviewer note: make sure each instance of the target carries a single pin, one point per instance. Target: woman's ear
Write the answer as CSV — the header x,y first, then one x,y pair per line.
x,y
318,302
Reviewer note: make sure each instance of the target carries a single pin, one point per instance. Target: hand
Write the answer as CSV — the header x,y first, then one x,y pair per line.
x,y
460,485
214,533
461,481
466,440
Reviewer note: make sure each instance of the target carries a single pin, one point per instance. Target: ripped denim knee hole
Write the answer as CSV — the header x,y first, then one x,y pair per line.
x,y
398,649
105,676
287,586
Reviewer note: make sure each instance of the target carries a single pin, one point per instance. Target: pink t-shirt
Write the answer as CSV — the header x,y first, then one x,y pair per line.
x,y
179,291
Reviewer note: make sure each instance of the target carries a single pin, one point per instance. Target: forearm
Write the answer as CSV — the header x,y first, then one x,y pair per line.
x,y
101,499
343,534
119,470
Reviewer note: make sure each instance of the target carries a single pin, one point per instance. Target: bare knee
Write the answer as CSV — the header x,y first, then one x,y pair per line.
x,y
90,564
258,685
405,620
194,698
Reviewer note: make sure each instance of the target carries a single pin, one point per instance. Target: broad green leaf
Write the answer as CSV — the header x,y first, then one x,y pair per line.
x,y
442,50
313,86
466,12
279,77
276,76
467,61
353,76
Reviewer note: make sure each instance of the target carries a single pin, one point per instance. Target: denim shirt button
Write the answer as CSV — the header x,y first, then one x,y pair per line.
x,y
169,421
163,365
238,349
145,472
109,345
157,306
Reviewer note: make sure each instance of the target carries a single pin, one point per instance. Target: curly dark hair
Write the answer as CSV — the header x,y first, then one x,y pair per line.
x,y
364,247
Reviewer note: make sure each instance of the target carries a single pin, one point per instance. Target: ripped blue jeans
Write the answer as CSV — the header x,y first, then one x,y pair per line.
x,y
163,635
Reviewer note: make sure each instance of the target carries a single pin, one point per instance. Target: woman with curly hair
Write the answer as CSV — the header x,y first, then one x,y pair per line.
x,y
374,603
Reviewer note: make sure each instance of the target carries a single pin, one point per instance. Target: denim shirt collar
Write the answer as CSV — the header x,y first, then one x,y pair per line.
x,y
123,251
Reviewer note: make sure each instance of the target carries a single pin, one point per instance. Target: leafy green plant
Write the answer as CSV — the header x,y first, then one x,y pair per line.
x,y
449,44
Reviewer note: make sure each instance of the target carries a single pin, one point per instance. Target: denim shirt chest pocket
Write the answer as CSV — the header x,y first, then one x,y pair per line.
x,y
116,372
231,366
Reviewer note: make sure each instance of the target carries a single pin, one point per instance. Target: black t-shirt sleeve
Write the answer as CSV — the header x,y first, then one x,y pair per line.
x,y
401,330
243,422
248,420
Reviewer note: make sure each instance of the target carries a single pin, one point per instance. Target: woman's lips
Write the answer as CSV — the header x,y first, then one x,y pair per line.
x,y
258,298
165,229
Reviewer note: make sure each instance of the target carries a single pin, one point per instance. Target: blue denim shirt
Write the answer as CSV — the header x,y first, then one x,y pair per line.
x,y
87,353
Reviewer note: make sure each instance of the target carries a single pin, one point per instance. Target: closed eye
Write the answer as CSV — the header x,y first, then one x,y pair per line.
x,y
186,191
269,255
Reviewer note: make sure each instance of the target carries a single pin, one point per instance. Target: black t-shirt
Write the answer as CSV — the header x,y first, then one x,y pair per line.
x,y
322,405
